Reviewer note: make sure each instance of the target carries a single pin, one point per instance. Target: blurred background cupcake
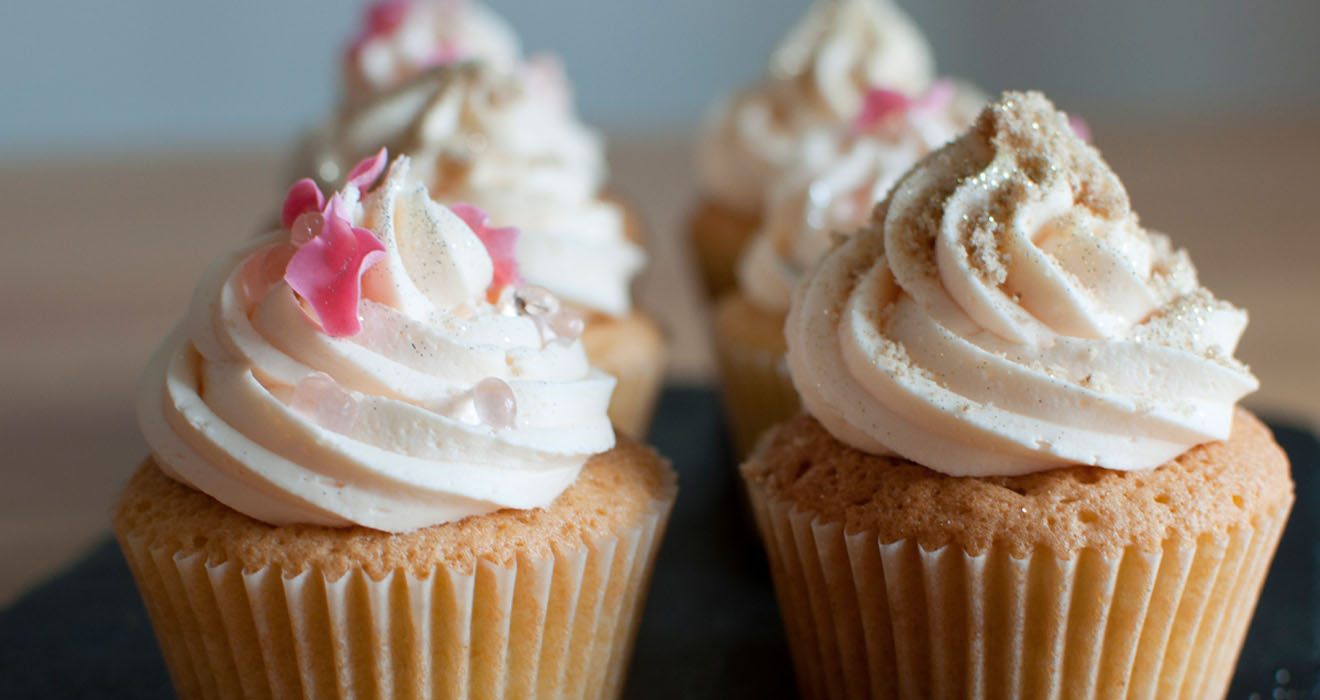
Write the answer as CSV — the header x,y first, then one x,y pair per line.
x,y
398,39
444,82
826,192
816,82
1022,471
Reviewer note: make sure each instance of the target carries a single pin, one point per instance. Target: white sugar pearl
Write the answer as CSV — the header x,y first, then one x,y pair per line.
x,y
508,303
536,301
318,397
495,404
565,325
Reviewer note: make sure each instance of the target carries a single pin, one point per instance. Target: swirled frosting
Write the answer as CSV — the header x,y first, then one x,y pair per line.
x,y
400,38
833,192
511,144
1005,313
818,78
252,402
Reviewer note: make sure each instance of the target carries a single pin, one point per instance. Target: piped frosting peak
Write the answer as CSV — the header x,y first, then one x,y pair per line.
x,y
1005,312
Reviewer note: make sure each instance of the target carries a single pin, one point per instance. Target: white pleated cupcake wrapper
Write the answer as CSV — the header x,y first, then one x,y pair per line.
x,y
870,619
559,627
757,390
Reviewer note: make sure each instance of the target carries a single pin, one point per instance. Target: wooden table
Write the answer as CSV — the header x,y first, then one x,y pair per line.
x,y
101,255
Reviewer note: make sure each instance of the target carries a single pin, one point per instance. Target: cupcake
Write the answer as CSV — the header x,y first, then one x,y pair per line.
x,y
398,39
1021,471
382,467
817,81
820,196
501,133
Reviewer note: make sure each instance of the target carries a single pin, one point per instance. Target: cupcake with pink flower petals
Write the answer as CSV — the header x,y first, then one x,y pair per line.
x,y
382,466
398,39
485,126
842,133
816,82
1021,471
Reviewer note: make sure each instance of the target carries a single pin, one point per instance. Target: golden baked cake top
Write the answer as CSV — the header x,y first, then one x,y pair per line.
x,y
1206,490
611,492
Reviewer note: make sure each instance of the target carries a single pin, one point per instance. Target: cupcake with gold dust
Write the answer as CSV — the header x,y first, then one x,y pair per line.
x,y
816,83
1022,471
830,193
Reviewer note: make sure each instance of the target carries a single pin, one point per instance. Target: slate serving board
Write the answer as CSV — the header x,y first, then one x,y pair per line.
x,y
711,628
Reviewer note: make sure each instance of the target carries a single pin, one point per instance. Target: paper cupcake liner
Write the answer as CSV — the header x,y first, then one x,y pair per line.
x,y
756,389
556,627
639,373
891,620
716,237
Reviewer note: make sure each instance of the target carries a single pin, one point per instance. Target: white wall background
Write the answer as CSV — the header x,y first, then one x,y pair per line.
x,y
116,75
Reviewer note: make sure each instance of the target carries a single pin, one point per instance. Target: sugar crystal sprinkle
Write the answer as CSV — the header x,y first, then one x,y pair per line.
x,y
564,325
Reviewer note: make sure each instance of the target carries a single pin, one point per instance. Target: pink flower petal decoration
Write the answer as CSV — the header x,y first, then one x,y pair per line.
x,y
500,244
334,209
543,74
442,56
303,197
1080,127
327,272
367,170
878,105
937,97
382,18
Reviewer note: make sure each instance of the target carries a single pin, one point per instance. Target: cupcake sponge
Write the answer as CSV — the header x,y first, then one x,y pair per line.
x,y
1207,489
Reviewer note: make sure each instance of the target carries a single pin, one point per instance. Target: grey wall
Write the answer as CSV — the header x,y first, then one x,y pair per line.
x,y
113,75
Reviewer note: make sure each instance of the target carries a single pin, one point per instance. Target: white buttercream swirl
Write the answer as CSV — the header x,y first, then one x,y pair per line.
x,y
1005,313
512,145
833,192
220,401
818,78
429,32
